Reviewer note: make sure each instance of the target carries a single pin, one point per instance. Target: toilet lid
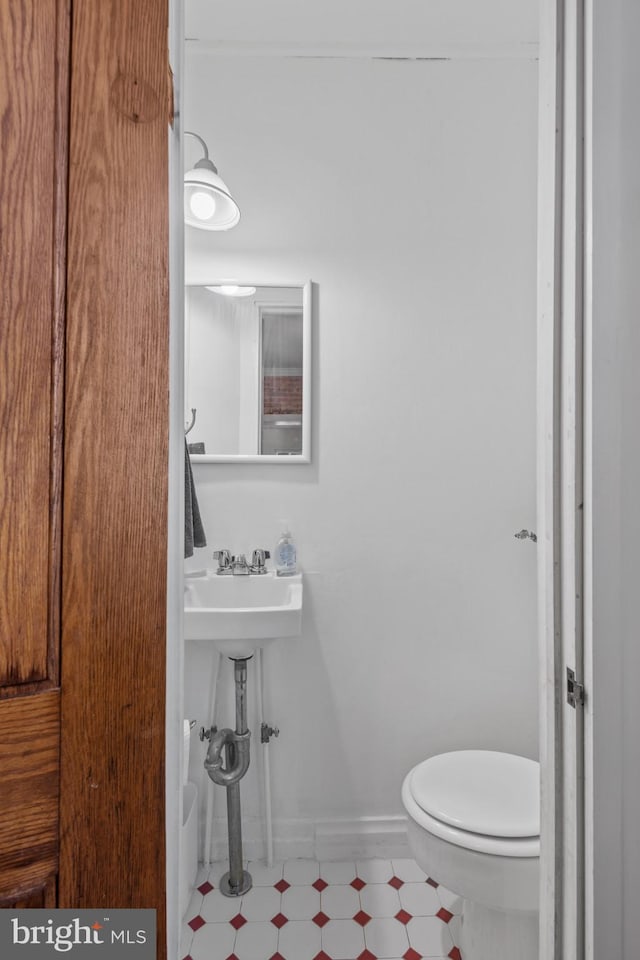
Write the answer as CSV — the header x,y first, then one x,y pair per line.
x,y
480,791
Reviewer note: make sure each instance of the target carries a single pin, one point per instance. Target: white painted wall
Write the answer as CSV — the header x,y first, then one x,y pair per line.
x,y
407,192
504,26
613,704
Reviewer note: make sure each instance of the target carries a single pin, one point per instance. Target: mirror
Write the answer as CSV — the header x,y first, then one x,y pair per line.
x,y
248,372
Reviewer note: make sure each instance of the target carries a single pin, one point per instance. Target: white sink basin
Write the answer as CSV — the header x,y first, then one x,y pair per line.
x,y
242,613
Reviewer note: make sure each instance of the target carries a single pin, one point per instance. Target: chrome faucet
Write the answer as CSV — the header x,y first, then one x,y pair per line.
x,y
239,566
258,561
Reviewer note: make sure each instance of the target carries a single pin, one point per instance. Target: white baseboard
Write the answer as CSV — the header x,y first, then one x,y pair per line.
x,y
358,838
361,838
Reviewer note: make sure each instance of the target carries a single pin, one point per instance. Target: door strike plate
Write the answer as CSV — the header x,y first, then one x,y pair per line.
x,y
575,690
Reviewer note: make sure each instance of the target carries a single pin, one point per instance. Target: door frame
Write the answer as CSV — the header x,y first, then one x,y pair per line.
x,y
175,565
563,431
563,464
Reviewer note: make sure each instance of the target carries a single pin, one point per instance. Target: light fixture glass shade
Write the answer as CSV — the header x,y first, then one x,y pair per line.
x,y
208,204
233,290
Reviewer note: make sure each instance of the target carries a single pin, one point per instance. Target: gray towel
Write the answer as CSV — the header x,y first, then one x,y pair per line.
x,y
193,529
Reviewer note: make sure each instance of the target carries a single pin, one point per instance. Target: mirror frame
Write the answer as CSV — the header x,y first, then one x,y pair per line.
x,y
282,460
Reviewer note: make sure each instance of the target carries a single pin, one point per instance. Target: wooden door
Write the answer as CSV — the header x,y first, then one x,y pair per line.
x,y
116,460
83,452
33,98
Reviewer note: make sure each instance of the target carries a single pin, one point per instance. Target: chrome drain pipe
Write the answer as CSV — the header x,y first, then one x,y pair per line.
x,y
236,745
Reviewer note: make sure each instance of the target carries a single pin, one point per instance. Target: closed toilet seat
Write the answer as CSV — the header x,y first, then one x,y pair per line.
x,y
481,800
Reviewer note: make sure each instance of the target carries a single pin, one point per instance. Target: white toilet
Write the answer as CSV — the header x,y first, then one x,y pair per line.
x,y
474,826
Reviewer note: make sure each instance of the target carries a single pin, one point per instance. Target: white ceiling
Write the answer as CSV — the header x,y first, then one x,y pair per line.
x,y
381,24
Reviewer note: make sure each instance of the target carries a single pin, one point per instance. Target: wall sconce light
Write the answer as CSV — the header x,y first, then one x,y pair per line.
x,y
208,204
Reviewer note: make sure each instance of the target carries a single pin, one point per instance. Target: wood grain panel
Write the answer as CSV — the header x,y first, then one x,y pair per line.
x,y
42,896
59,307
29,761
30,174
116,461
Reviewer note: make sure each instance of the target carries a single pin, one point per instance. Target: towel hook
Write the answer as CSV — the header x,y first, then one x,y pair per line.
x,y
191,425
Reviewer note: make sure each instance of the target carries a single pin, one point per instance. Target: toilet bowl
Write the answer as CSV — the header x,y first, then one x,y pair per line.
x,y
474,825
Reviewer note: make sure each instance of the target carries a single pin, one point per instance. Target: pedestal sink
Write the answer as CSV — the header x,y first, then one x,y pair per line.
x,y
239,614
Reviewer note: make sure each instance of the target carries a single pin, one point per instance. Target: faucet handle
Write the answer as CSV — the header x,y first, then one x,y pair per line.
x,y
258,560
224,560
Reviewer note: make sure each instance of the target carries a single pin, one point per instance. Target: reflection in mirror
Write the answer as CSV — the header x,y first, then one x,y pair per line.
x,y
247,371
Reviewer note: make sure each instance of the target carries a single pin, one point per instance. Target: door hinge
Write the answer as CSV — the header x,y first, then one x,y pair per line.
x,y
171,96
575,689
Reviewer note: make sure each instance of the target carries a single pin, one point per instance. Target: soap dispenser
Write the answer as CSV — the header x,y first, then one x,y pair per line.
x,y
285,554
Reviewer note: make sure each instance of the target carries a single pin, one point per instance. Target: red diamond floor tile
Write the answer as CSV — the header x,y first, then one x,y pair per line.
x,y
362,918
444,914
320,919
411,954
403,916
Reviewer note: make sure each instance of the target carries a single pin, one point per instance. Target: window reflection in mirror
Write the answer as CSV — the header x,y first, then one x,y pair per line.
x,y
281,380
246,371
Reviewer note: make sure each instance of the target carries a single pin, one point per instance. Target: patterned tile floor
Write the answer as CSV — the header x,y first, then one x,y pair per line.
x,y
306,910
